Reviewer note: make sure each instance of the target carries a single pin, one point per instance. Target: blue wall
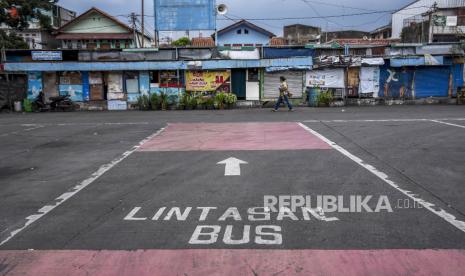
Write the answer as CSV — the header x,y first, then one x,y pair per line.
x,y
253,37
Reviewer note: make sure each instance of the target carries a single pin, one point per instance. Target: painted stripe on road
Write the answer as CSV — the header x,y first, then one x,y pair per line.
x,y
449,124
235,262
76,189
383,120
384,177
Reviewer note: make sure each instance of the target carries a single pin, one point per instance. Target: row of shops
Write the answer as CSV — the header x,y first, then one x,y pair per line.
x,y
120,84
254,84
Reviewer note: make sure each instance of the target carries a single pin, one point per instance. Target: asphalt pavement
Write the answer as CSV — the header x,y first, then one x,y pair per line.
x,y
155,181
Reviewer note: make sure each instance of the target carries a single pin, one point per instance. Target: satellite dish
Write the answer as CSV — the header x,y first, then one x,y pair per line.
x,y
222,9
365,38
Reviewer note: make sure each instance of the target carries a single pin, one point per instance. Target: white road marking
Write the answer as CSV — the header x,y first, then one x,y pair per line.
x,y
31,128
233,166
76,189
384,177
449,124
383,120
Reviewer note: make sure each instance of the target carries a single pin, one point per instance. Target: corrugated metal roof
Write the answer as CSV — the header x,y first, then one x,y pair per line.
x,y
73,36
296,62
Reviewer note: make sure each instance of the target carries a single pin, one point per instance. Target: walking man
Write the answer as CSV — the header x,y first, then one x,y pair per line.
x,y
284,95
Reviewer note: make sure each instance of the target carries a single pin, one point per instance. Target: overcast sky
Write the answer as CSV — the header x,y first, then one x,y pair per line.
x,y
271,9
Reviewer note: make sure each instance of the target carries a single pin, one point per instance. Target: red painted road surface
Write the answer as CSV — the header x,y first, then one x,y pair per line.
x,y
234,262
234,136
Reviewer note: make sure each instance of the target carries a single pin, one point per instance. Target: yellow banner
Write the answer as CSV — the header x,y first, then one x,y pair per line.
x,y
198,81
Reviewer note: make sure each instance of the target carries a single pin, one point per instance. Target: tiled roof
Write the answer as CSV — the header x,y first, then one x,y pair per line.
x,y
278,41
203,42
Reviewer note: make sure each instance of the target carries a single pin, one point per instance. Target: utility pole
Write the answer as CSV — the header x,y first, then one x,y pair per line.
x,y
431,29
143,24
133,20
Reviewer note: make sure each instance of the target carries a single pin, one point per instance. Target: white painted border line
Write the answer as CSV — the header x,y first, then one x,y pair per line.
x,y
449,124
384,177
76,189
383,120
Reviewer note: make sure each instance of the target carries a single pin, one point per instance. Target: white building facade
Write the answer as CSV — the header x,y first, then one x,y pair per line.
x,y
416,10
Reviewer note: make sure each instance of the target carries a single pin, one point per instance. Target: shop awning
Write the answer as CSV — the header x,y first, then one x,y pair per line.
x,y
427,60
297,62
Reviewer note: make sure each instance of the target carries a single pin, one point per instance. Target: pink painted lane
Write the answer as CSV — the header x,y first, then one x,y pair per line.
x,y
234,136
234,262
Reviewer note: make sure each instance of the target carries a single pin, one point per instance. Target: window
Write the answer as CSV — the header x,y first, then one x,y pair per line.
x,y
253,75
246,31
239,31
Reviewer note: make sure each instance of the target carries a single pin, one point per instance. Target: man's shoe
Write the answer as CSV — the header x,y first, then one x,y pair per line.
x,y
274,110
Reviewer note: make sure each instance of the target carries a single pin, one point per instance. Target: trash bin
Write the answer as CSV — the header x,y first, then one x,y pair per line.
x,y
18,106
27,105
313,94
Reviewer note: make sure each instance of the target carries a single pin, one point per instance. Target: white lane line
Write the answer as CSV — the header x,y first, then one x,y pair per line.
x,y
383,120
76,189
449,124
384,177
31,128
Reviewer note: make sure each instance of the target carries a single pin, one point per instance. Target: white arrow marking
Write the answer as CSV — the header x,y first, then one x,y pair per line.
x,y
233,166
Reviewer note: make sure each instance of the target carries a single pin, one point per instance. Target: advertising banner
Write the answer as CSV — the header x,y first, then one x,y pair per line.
x,y
73,91
370,80
209,81
328,78
34,85
183,15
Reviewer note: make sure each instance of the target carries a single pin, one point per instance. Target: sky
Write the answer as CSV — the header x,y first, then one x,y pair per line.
x,y
253,9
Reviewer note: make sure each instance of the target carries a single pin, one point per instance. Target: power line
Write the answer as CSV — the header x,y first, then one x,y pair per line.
x,y
336,5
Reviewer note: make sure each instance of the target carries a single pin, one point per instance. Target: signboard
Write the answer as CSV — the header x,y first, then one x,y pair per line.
x,y
439,20
47,55
182,15
211,81
451,21
329,78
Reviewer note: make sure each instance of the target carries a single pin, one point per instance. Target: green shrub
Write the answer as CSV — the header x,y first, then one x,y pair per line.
x,y
163,101
230,100
143,102
325,98
220,100
155,101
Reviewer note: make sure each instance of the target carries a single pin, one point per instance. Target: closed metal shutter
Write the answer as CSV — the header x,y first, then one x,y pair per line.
x,y
294,81
432,82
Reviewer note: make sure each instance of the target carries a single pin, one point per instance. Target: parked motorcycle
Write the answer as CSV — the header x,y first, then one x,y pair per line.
x,y
62,103
39,104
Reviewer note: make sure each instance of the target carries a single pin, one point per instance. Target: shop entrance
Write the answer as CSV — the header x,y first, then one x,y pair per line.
x,y
239,78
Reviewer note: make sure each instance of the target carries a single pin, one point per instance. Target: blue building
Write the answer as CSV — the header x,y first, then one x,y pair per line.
x,y
244,33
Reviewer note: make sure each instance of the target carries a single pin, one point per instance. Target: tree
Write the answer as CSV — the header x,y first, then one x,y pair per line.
x,y
17,13
183,41
12,41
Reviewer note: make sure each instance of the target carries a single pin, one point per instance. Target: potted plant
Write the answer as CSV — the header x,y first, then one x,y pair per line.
x,y
155,101
220,100
163,101
210,103
183,101
325,98
192,102
143,102
230,100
